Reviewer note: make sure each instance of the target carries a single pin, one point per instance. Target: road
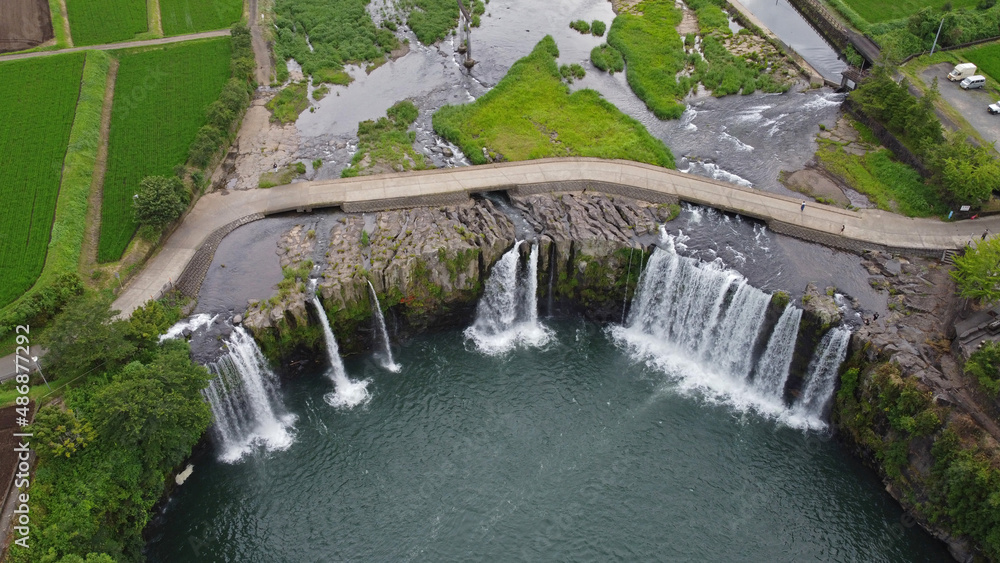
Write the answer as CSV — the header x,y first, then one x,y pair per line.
x,y
970,103
124,45
817,222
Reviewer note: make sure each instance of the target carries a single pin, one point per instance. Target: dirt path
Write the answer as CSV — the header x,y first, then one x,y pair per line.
x,y
124,45
65,22
261,52
88,254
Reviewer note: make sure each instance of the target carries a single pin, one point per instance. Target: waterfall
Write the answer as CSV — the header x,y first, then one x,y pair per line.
x,y
386,353
347,393
507,314
772,371
700,323
246,407
822,377
191,323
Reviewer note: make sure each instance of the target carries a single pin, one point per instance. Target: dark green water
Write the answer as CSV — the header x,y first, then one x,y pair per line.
x,y
568,453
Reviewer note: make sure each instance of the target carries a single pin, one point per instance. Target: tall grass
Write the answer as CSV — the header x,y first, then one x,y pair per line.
x,y
531,114
889,184
875,11
987,58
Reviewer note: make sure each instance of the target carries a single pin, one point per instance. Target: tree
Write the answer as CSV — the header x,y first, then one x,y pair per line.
x,y
60,432
160,200
84,337
156,408
968,172
978,272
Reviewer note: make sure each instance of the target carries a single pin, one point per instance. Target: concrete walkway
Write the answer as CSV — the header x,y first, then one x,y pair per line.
x,y
124,45
436,187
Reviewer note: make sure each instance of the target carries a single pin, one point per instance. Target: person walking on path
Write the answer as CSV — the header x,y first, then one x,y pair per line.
x,y
842,227
803,208
986,232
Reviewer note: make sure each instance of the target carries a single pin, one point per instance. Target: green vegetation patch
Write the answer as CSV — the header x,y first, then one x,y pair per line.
x,y
889,184
580,25
190,16
607,58
339,31
531,114
161,98
987,59
647,38
40,98
597,27
289,103
875,11
93,22
386,145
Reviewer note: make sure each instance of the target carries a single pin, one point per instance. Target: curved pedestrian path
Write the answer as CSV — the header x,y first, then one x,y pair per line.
x,y
841,228
122,45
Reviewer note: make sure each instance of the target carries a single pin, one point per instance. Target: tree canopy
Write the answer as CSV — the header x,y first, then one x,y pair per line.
x,y
978,272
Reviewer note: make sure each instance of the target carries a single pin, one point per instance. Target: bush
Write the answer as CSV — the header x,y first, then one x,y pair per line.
x,y
160,200
597,27
581,26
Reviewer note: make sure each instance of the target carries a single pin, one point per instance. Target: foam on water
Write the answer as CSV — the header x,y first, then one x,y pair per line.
x,y
192,323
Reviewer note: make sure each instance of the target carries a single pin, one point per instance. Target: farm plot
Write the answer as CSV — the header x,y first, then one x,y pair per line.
x,y
987,59
161,96
190,16
40,98
93,22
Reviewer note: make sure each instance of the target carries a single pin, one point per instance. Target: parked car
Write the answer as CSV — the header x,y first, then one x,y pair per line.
x,y
975,81
993,108
961,71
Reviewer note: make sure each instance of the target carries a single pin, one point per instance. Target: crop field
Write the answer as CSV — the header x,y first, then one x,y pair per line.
x,y
875,11
987,59
33,141
93,22
161,96
190,16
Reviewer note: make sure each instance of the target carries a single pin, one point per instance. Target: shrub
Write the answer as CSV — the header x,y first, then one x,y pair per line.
x,y
160,200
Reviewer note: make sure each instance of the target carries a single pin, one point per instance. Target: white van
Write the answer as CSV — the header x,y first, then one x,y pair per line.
x,y
977,81
961,71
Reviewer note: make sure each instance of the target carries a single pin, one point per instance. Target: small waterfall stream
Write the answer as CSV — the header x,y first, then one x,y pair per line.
x,y
245,403
347,392
386,352
772,371
823,369
507,314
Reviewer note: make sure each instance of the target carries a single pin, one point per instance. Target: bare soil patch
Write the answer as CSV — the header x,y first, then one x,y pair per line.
x,y
261,146
24,24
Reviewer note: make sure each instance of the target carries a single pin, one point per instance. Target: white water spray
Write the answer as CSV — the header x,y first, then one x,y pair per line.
x,y
192,323
245,403
347,392
386,352
823,370
772,370
507,314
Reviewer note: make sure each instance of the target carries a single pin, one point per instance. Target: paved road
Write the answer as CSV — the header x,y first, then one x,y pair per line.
x,y
970,103
434,186
125,45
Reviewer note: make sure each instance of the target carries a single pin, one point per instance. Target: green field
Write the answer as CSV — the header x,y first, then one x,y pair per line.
x,y
875,11
161,96
190,16
987,60
531,114
40,97
93,22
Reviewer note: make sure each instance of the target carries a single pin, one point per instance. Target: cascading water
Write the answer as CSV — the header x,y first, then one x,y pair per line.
x,y
507,313
347,393
245,404
822,377
386,353
772,370
700,323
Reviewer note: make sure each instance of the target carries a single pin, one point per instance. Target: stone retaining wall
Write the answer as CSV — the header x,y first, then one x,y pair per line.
x,y
842,242
610,188
454,198
190,280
